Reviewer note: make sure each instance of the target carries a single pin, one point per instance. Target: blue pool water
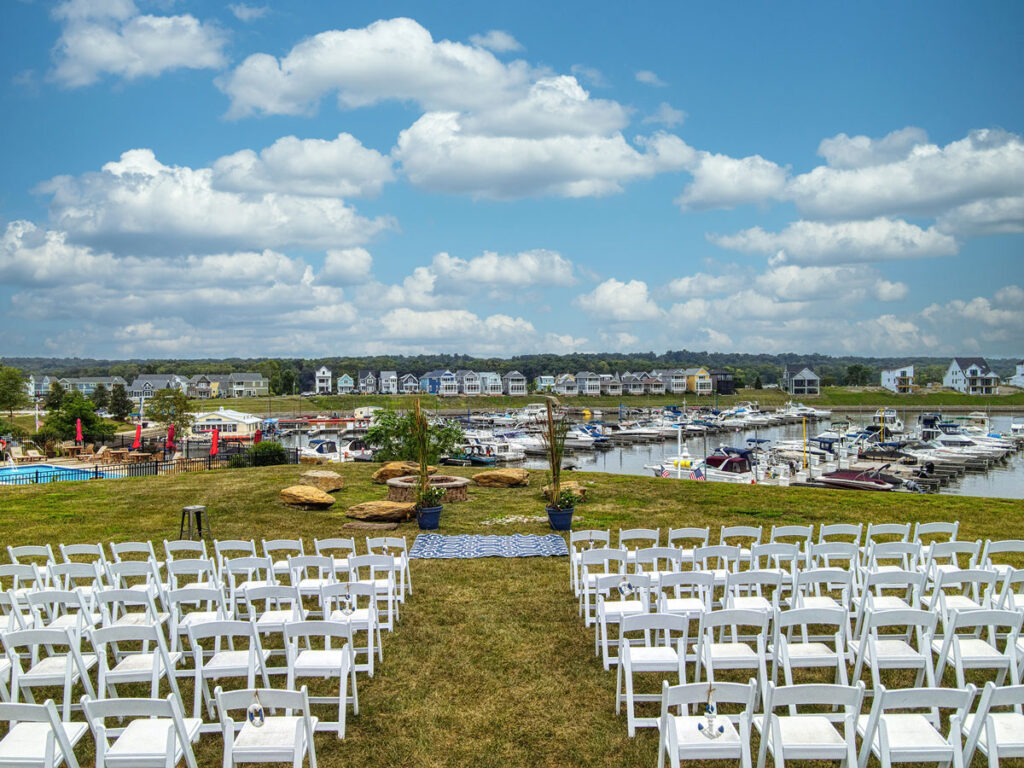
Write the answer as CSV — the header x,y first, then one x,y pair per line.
x,y
43,473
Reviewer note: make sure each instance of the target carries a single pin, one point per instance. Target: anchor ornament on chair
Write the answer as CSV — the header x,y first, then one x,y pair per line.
x,y
346,605
710,714
255,713
626,588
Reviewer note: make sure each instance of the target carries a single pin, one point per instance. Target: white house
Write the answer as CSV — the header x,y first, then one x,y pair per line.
x,y
632,384
544,383
610,384
588,383
323,380
800,380
345,384
675,379
490,383
388,383
253,385
367,383
899,380
229,423
972,376
409,384
30,385
514,383
565,385
468,382
1017,380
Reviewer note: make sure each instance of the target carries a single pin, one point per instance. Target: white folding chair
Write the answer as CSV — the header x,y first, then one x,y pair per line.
x,y
595,563
147,665
632,539
286,738
37,738
719,560
661,649
47,667
1011,593
185,549
341,603
801,649
157,735
993,550
338,549
833,532
206,603
86,553
143,549
688,593
834,554
810,735
686,540
885,556
279,550
229,549
979,648
61,608
617,596
683,736
137,575
914,737
743,536
85,577
225,660
910,648
309,573
927,534
116,608
965,590
823,588
581,541
273,606
243,573
754,591
396,547
730,650
950,556
192,571
997,734
888,590
781,557
327,661
801,535
378,570
885,532
36,555
19,580
657,562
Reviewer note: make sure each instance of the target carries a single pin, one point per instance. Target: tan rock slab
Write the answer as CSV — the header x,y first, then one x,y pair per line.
x,y
359,525
382,511
311,460
502,478
569,485
324,479
394,469
306,497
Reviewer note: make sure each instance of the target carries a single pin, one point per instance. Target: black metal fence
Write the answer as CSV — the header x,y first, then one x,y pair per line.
x,y
233,456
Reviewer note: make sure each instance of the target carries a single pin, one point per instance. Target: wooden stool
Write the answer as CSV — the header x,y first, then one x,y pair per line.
x,y
198,513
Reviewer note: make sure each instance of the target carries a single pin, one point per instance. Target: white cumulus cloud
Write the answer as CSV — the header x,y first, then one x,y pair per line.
x,y
616,301
647,77
496,40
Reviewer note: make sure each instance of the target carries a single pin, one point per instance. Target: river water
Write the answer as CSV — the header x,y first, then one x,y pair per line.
x,y
1004,480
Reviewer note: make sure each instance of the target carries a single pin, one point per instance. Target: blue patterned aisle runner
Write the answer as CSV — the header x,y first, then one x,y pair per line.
x,y
436,546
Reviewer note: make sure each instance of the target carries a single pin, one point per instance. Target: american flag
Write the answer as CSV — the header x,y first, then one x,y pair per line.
x,y
697,474
664,472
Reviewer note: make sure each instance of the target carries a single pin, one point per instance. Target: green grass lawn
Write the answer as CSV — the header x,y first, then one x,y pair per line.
x,y
830,397
490,665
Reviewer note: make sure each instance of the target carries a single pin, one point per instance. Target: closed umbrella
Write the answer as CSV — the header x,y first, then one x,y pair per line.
x,y
216,443
258,437
170,438
137,443
78,431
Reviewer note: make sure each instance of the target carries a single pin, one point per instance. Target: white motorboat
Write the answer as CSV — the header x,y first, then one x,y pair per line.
x,y
334,452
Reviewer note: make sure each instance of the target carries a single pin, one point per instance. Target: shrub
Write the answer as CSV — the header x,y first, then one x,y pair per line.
x,y
264,454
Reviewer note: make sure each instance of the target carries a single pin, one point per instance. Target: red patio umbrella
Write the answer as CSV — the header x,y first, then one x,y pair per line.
x,y
215,446
258,437
170,438
78,431
137,443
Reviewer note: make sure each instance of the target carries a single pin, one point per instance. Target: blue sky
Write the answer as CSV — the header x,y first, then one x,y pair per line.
x,y
195,179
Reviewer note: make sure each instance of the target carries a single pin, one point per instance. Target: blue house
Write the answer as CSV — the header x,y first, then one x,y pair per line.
x,y
439,383
345,384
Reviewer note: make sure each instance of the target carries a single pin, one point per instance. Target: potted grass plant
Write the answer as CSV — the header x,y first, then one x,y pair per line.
x,y
428,500
561,502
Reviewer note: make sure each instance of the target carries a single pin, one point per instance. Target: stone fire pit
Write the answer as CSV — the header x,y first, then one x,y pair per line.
x,y
404,488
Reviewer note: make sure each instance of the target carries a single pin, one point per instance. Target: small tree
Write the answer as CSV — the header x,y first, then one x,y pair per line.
x,y
757,382
55,397
120,404
555,430
60,424
170,406
13,394
393,437
100,397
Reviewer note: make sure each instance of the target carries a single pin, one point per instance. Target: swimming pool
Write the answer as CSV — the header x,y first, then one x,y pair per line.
x,y
45,473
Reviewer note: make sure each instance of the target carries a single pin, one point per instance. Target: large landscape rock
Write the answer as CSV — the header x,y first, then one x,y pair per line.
x,y
502,478
398,469
360,525
306,497
324,479
312,460
382,511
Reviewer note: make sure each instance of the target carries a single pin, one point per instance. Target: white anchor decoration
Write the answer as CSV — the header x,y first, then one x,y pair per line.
x,y
255,712
710,714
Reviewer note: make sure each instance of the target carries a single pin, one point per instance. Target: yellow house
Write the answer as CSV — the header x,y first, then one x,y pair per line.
x,y
232,425
698,381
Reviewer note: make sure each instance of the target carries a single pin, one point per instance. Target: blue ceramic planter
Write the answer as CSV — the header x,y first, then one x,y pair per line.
x,y
560,519
429,518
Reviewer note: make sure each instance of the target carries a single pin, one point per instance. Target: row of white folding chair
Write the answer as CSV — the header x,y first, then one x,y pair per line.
x,y
822,722
157,734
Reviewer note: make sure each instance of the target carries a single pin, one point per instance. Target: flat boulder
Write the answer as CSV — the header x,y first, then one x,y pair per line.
x,y
359,525
324,479
312,460
306,497
502,478
393,469
382,511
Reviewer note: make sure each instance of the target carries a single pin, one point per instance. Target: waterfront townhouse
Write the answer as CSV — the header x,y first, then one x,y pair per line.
x,y
588,383
387,384
565,385
972,376
367,383
468,382
800,380
323,381
345,384
899,380
514,383
490,383
610,384
439,382
698,381
409,384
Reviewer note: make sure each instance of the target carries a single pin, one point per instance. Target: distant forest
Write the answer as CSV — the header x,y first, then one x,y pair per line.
x,y
296,374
